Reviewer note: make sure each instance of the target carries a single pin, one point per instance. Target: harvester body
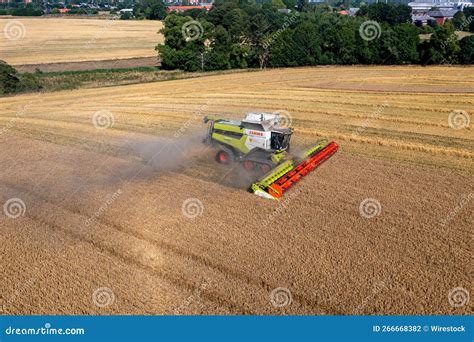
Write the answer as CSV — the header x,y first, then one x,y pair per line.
x,y
257,139
260,143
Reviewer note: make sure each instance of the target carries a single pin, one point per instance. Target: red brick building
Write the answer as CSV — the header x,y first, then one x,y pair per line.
x,y
441,15
7,1
186,8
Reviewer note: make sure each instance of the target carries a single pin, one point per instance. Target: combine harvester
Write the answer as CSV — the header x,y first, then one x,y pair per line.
x,y
260,143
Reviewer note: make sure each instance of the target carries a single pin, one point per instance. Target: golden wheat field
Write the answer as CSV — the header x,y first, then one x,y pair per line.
x,y
118,200
53,40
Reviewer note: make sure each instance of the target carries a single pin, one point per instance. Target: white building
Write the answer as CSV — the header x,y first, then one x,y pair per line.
x,y
423,6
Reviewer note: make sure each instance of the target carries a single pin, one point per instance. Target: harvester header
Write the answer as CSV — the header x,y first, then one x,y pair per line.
x,y
262,145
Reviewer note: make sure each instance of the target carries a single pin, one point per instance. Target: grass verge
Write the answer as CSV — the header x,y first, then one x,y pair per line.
x,y
66,80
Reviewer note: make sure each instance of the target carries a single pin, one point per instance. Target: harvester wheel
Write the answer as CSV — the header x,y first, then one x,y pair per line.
x,y
249,165
265,168
223,157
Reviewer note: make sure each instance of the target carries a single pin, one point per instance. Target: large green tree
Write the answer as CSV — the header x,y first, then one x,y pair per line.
x,y
466,55
389,13
184,46
9,78
339,39
443,46
218,56
469,14
240,34
290,4
459,21
278,4
398,45
150,9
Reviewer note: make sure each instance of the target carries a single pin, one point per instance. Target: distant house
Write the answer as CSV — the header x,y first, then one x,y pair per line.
x,y
126,10
180,9
441,15
421,19
353,11
190,2
423,6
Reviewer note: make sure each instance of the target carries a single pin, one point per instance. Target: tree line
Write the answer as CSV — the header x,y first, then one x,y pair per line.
x,y
243,34
11,81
